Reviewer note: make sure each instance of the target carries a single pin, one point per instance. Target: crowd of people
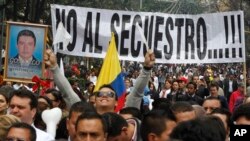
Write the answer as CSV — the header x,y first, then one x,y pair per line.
x,y
163,103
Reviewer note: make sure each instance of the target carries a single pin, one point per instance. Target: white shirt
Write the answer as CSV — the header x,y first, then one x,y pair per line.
x,y
230,86
164,93
25,62
43,136
93,79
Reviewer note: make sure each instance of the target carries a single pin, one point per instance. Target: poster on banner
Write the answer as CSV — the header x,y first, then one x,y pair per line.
x,y
174,38
25,46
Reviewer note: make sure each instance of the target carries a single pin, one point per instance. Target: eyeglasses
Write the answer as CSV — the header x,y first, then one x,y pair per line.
x,y
102,94
14,139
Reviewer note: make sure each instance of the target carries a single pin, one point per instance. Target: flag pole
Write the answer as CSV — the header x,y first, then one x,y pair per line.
x,y
245,77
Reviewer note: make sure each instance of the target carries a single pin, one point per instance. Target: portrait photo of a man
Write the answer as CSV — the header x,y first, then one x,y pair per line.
x,y
26,45
26,42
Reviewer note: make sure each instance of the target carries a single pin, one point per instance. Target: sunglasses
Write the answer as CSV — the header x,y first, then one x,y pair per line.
x,y
14,139
102,94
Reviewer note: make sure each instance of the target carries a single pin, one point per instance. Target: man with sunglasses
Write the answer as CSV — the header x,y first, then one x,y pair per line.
x,y
104,103
106,99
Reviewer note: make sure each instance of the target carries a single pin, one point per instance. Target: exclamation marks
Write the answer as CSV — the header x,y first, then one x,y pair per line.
x,y
231,31
232,23
239,27
233,28
226,28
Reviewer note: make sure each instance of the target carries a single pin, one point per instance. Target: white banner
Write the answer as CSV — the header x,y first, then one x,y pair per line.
x,y
203,38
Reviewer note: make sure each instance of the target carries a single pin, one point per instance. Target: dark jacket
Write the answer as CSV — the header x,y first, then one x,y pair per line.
x,y
34,62
192,99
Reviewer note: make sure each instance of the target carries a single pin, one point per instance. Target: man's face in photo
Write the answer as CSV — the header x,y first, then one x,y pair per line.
x,y
26,47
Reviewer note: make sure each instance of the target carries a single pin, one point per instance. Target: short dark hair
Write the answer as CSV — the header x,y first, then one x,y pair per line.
x,y
57,94
214,84
92,115
115,123
154,122
47,100
23,93
5,92
225,112
26,32
242,111
208,128
58,97
23,125
133,111
192,83
162,103
5,97
182,106
81,107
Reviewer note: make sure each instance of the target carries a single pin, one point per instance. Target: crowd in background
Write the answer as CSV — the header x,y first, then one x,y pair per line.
x,y
163,102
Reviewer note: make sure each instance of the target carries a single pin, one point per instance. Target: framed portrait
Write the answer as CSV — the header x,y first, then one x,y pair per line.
x,y
25,48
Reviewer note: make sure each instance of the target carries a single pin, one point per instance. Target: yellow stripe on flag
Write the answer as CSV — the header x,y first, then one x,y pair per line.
x,y
111,66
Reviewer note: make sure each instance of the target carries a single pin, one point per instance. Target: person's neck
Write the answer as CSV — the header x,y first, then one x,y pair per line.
x,y
25,59
102,110
214,95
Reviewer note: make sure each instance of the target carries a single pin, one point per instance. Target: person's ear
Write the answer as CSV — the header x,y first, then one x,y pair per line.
x,y
125,130
33,112
152,137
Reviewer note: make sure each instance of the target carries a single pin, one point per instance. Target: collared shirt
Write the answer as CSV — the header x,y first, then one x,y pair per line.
x,y
42,136
25,62
230,86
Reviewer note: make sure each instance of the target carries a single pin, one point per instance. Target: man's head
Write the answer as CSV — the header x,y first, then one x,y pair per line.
x,y
241,87
175,85
55,96
75,111
191,88
225,116
106,99
182,83
210,104
127,83
130,112
23,104
183,111
195,79
201,129
214,88
92,99
26,42
21,131
91,126
241,115
157,125
117,127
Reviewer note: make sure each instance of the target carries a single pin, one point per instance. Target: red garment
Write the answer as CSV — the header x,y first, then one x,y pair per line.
x,y
234,96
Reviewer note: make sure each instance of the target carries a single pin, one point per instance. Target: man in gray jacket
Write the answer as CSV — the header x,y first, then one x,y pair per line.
x,y
133,99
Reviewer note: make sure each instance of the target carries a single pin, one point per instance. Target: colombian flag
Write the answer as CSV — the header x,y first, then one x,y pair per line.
x,y
111,74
